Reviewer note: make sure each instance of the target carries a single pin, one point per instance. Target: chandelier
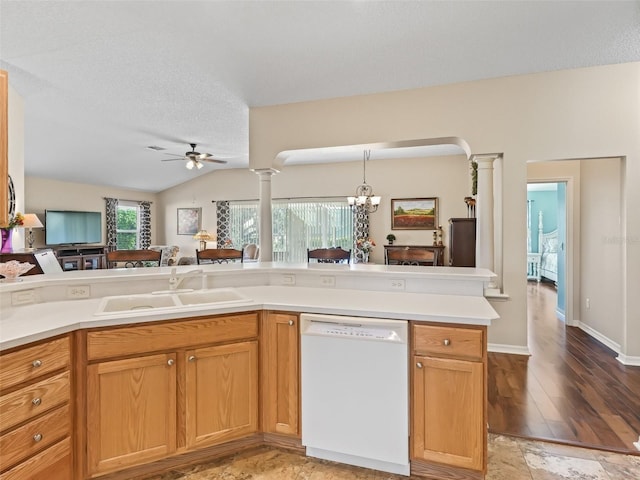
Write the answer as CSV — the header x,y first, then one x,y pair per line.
x,y
364,192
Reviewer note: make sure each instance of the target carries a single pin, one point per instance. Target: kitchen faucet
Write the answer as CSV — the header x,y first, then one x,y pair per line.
x,y
176,280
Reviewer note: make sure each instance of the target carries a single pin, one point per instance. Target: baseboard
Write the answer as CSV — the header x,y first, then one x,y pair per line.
x,y
560,315
631,361
598,336
512,349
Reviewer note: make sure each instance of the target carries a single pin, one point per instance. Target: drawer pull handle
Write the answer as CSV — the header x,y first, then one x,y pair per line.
x,y
36,401
36,363
446,342
290,322
419,364
37,437
192,358
170,362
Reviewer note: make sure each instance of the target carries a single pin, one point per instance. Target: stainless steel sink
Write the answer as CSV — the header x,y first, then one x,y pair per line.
x,y
177,300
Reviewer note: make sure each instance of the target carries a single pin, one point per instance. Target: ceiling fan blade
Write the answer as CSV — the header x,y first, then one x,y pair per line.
x,y
173,154
172,159
211,160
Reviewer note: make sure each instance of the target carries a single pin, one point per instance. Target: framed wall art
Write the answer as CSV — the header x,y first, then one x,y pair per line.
x,y
414,213
189,220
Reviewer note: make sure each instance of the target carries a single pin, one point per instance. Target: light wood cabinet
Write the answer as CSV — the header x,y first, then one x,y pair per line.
x,y
221,393
449,397
35,411
280,368
157,390
131,411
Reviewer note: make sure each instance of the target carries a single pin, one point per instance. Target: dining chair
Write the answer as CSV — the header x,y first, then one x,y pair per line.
x,y
409,256
251,252
219,255
133,258
329,255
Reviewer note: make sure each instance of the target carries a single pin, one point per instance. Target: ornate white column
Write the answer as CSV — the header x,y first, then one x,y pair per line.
x,y
484,213
266,227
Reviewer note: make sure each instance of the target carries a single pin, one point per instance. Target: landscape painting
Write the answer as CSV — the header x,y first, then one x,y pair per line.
x,y
414,213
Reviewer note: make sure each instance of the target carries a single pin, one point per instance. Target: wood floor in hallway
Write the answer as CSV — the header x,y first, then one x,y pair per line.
x,y
570,390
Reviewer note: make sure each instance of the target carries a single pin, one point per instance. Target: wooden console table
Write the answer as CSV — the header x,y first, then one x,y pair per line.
x,y
415,254
81,258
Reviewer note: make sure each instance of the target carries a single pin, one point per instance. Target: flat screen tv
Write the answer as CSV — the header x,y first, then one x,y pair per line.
x,y
69,227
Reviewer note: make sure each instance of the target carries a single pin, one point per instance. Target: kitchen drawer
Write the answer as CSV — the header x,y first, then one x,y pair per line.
x,y
26,440
32,362
448,341
119,342
54,463
30,401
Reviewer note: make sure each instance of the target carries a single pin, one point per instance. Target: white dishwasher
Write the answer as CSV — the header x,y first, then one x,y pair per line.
x,y
355,406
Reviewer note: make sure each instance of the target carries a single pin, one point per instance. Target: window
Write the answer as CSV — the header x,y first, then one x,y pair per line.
x,y
128,226
298,224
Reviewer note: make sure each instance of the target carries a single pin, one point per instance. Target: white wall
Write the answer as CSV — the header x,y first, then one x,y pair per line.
x,y
42,194
601,253
444,177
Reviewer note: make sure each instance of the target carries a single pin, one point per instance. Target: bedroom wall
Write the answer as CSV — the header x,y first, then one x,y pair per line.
x,y
601,255
553,115
547,203
43,193
395,178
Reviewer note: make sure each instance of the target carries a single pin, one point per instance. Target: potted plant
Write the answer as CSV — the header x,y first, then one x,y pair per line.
x,y
390,238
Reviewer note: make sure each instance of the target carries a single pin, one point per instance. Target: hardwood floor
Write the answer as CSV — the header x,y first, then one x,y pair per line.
x,y
570,390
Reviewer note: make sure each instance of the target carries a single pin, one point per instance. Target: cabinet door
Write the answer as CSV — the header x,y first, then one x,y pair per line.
x,y
221,393
281,374
448,419
131,412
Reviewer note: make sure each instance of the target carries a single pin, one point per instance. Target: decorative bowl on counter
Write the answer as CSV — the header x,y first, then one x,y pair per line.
x,y
12,269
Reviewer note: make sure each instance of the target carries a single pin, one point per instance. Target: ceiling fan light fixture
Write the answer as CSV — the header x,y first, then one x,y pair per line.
x,y
190,165
199,165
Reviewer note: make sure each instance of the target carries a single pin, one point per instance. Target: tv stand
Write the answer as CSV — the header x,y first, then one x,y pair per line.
x,y
85,257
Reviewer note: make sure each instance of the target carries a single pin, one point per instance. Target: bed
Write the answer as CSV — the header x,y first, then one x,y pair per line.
x,y
544,262
549,255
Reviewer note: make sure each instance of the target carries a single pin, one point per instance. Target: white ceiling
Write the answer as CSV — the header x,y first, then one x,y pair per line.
x,y
101,81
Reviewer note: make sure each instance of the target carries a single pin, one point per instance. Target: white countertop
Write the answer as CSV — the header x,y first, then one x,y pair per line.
x,y
27,323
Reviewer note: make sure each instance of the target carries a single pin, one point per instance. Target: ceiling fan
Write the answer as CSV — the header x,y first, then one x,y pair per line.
x,y
193,158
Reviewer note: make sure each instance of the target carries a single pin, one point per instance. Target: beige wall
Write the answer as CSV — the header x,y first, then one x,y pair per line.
x,y
42,194
582,113
601,254
444,177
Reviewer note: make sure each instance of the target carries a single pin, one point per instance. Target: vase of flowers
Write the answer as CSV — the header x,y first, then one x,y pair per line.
x,y
364,246
7,232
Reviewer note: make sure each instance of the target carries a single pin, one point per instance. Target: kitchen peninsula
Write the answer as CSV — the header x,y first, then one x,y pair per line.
x,y
89,392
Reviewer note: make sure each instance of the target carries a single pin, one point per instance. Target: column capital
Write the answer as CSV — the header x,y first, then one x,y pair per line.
x,y
485,160
265,172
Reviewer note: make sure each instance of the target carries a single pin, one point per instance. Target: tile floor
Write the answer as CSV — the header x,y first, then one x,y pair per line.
x,y
509,459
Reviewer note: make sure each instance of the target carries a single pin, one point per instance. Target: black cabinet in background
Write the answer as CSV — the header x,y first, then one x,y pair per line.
x,y
462,242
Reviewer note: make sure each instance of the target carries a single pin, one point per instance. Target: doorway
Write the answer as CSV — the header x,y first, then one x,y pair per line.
x,y
547,238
